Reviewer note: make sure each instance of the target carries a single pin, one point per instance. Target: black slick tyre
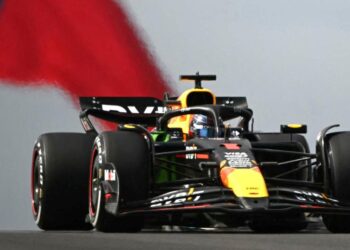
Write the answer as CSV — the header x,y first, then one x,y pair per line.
x,y
59,181
338,160
129,155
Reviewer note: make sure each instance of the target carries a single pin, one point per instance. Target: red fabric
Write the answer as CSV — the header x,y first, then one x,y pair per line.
x,y
85,47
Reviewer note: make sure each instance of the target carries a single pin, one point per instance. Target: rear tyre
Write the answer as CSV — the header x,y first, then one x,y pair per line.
x,y
60,174
128,153
338,160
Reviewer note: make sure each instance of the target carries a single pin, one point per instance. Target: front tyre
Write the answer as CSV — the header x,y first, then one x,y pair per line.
x,y
338,160
119,172
59,181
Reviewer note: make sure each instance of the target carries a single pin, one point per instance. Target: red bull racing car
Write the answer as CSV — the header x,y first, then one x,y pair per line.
x,y
193,160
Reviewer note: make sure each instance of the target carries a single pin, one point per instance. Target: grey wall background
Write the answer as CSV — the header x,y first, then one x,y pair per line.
x,y
290,58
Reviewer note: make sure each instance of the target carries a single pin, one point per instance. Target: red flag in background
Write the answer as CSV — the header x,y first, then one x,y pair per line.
x,y
86,47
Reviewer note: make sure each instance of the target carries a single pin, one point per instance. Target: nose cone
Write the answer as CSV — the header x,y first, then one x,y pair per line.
x,y
244,182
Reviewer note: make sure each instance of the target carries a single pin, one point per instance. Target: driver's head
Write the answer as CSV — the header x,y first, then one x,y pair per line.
x,y
201,126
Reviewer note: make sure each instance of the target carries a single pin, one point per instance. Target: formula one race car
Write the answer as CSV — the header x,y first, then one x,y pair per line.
x,y
192,161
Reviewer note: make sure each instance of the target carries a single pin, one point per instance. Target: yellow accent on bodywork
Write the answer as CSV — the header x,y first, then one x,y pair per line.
x,y
190,192
129,126
247,182
294,125
184,121
223,163
183,97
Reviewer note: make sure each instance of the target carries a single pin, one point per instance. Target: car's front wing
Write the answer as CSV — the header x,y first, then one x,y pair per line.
x,y
220,199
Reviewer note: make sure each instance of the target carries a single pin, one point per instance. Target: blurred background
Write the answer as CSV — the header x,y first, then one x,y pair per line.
x,y
290,58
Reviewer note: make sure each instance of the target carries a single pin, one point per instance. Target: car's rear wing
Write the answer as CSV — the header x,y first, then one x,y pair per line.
x,y
137,110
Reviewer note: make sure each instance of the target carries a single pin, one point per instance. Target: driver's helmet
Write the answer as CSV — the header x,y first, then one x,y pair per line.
x,y
201,126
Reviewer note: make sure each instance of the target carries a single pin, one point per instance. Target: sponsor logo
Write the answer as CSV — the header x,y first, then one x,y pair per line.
x,y
309,196
109,175
134,109
191,156
176,198
238,159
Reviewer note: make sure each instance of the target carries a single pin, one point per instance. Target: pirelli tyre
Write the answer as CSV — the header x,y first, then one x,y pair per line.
x,y
119,174
59,181
339,168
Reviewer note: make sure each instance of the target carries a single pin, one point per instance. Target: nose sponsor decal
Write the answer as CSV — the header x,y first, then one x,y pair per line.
x,y
238,159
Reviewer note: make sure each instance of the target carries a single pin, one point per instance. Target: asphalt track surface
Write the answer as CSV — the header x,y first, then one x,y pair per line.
x,y
236,239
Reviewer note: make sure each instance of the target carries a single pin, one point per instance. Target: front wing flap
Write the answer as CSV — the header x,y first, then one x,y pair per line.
x,y
220,199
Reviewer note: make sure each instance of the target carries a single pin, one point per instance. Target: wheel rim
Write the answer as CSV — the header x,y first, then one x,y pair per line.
x,y
331,166
94,184
35,187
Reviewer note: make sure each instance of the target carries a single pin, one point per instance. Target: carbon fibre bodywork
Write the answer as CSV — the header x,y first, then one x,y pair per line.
x,y
186,174
193,160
